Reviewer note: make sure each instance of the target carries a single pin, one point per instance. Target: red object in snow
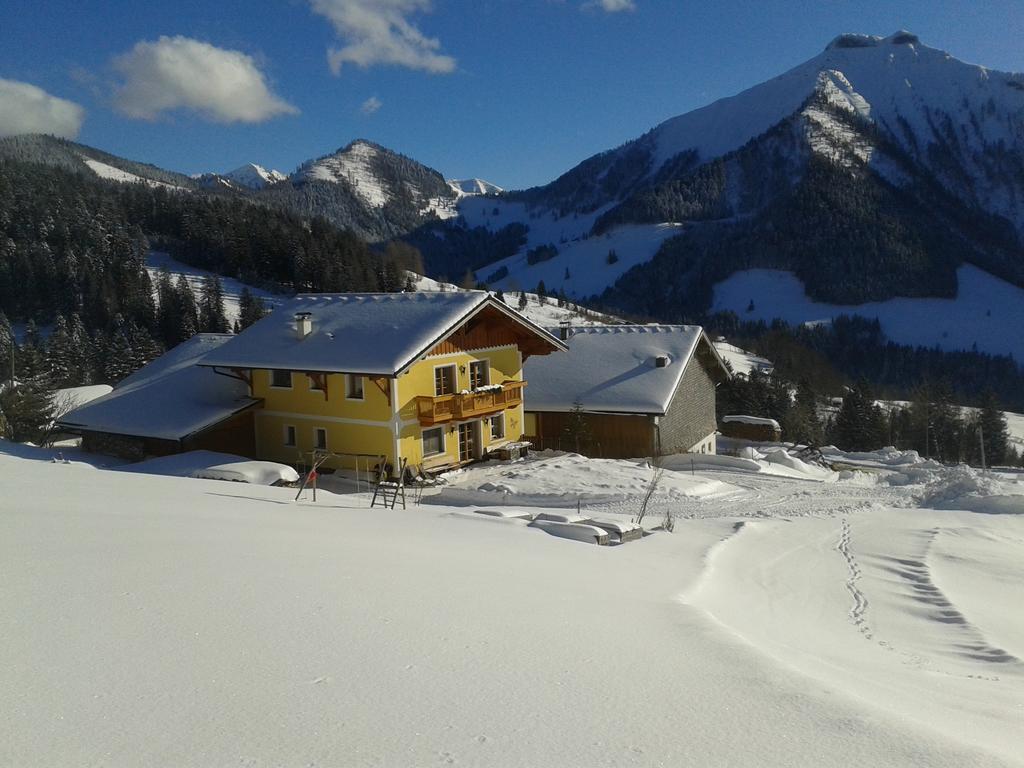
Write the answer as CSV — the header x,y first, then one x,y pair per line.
x,y
312,474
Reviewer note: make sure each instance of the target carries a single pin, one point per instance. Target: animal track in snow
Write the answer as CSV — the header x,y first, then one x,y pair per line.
x,y
860,602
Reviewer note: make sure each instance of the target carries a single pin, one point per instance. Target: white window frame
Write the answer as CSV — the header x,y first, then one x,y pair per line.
x,y
455,379
486,364
289,429
317,431
498,419
350,378
291,379
313,386
423,442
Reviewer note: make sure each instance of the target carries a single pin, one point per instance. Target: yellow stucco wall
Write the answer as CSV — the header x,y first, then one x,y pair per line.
x,y
505,365
373,425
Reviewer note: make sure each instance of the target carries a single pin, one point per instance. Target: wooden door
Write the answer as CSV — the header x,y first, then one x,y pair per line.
x,y
468,440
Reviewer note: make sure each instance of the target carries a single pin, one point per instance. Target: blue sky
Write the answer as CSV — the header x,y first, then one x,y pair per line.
x,y
513,91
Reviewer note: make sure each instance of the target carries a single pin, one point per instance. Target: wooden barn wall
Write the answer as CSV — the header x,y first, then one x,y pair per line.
x,y
612,436
235,435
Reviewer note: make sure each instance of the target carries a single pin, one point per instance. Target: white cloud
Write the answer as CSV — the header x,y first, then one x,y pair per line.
x,y
371,105
612,6
379,32
181,73
25,108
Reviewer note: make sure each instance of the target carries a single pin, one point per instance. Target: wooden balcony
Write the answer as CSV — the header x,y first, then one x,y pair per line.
x,y
470,405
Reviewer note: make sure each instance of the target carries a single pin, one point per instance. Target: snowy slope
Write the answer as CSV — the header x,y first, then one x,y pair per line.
x,y
985,307
155,261
741,360
111,173
585,258
790,623
544,312
353,165
474,187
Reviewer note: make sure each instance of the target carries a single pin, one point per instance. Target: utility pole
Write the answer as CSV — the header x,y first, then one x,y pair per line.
x,y
981,442
10,332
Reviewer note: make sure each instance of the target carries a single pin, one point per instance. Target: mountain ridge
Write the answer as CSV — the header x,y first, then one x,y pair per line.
x,y
897,162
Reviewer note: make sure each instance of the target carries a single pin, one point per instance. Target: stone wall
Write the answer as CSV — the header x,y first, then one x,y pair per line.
x,y
691,414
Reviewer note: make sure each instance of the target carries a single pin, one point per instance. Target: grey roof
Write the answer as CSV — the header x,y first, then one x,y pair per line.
x,y
612,369
170,399
377,334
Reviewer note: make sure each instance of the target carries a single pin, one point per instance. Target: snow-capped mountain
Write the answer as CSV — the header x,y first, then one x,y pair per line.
x,y
873,170
474,187
364,187
961,122
254,176
376,175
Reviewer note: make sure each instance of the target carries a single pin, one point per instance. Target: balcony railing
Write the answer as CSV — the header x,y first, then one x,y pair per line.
x,y
468,405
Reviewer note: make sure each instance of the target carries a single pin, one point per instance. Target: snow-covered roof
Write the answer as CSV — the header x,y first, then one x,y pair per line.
x,y
170,399
376,334
756,420
615,369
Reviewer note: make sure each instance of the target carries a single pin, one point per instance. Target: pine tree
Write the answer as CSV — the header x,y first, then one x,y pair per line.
x,y
81,344
250,309
577,428
800,422
187,311
29,355
60,356
860,424
7,348
119,358
211,306
26,411
994,433
522,301
168,312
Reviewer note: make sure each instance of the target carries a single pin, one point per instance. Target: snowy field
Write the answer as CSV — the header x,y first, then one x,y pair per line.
x,y
984,308
830,621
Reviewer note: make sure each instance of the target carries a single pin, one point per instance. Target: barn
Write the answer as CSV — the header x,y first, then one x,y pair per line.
x,y
626,391
169,406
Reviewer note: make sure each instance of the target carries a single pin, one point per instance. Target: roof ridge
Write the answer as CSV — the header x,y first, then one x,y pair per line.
x,y
635,328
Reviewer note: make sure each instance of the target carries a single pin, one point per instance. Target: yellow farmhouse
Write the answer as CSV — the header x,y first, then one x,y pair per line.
x,y
434,378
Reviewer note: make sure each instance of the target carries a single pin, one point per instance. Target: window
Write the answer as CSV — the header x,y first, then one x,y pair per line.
x,y
498,426
433,441
281,379
353,387
316,381
289,436
320,436
444,380
479,374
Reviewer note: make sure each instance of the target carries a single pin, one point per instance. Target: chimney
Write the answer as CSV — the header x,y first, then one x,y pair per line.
x,y
661,361
303,324
564,330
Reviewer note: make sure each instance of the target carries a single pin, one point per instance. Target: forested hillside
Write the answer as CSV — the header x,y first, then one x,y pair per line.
x,y
73,249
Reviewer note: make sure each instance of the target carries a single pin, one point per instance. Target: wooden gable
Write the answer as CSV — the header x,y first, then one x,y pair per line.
x,y
492,328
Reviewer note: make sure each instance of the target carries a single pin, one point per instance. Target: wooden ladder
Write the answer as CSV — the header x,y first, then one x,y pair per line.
x,y
389,490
